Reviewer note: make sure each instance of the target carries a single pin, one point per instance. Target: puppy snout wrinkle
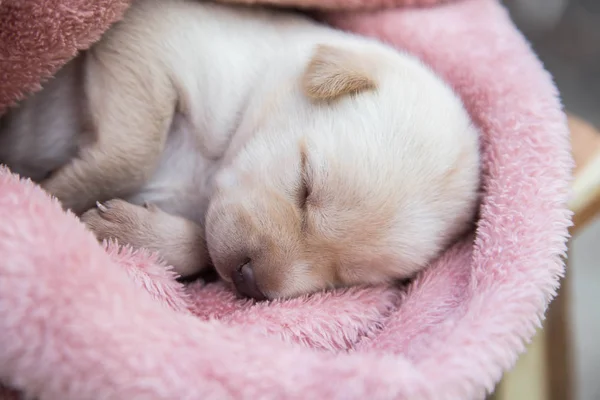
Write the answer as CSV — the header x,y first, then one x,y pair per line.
x,y
245,283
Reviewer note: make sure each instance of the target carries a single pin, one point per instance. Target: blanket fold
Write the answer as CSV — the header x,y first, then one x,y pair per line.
x,y
81,321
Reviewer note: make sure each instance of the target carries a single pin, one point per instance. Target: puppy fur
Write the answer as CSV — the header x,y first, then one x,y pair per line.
x,y
224,135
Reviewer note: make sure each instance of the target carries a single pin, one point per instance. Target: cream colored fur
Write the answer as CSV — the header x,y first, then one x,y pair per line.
x,y
322,158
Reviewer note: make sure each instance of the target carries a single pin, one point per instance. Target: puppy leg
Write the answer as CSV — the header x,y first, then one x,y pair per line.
x,y
179,241
130,102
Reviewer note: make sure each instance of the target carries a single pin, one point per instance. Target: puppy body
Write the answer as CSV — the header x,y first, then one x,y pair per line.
x,y
312,157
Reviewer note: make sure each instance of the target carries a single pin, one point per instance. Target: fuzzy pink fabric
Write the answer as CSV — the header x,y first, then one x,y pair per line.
x,y
79,322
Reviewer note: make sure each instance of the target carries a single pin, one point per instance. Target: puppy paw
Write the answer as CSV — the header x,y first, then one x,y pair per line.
x,y
180,242
151,207
118,219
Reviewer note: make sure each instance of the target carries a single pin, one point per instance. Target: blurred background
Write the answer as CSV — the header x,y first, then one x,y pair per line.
x,y
566,36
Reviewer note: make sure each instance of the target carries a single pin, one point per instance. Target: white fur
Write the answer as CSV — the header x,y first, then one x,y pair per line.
x,y
380,161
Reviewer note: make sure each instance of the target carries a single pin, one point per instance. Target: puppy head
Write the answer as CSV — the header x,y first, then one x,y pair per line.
x,y
359,172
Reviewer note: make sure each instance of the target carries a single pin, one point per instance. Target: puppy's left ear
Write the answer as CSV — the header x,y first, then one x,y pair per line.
x,y
334,72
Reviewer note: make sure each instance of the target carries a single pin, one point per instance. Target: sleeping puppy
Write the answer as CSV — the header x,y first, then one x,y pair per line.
x,y
291,156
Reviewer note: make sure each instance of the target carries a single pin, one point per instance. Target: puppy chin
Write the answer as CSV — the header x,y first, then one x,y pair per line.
x,y
299,286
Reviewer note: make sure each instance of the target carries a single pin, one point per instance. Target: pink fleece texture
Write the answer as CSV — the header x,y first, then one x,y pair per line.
x,y
81,321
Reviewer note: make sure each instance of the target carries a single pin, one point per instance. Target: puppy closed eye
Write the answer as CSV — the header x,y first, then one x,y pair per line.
x,y
303,186
303,196
303,193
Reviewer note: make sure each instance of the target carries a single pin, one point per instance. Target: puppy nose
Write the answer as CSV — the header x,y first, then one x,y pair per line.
x,y
244,282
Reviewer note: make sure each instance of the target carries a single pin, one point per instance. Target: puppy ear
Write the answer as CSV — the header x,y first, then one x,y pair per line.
x,y
334,72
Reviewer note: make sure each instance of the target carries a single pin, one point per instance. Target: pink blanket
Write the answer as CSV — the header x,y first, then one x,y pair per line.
x,y
78,322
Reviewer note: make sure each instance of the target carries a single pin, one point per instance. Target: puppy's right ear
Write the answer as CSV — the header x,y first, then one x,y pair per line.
x,y
334,72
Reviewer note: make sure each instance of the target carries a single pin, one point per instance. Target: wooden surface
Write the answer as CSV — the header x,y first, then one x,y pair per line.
x,y
558,345
585,201
585,142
